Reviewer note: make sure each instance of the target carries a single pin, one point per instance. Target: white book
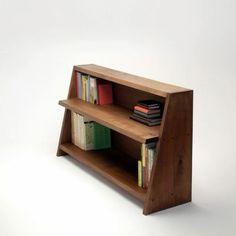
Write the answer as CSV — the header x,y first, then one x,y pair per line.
x,y
73,115
150,162
78,136
89,135
79,85
88,88
91,93
82,132
95,91
83,121
75,128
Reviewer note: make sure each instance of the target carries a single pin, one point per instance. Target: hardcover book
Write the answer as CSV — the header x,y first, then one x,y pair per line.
x,y
105,95
78,85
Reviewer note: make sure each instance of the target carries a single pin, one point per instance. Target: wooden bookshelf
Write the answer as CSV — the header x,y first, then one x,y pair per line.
x,y
170,182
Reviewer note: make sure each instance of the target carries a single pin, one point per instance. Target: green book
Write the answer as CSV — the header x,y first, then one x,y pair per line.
x,y
102,137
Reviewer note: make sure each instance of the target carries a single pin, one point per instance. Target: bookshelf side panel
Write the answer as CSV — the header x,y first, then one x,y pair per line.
x,y
171,178
65,135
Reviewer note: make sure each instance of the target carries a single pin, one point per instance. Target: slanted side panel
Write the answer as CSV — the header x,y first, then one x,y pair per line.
x,y
65,136
171,178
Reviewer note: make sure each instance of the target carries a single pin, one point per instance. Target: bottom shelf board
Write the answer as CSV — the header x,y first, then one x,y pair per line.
x,y
108,163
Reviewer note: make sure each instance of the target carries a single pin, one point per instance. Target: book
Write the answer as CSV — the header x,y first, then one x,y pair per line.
x,y
146,163
143,146
139,173
151,153
151,145
83,86
73,128
145,110
87,88
81,139
146,122
150,104
102,137
144,159
152,120
149,116
89,137
145,176
87,133
78,85
105,95
93,90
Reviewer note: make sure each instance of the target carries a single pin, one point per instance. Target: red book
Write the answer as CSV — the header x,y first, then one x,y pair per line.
x,y
146,111
105,95
142,109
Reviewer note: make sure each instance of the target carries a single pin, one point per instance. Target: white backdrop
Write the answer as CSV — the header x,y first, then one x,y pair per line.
x,y
188,43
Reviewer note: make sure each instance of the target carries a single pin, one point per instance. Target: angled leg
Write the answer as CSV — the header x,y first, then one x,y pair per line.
x,y
65,136
171,177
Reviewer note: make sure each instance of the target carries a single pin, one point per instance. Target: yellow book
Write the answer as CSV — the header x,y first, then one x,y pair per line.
x,y
143,154
84,78
139,173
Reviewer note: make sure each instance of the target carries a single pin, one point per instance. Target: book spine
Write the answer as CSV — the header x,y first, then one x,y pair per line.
x,y
98,95
76,120
95,101
143,158
88,88
91,88
79,91
102,136
78,135
146,115
149,163
139,173
89,142
73,127
84,87
138,108
146,168
83,136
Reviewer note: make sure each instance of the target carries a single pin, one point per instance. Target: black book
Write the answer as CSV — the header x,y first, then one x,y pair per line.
x,y
147,119
149,116
144,121
150,104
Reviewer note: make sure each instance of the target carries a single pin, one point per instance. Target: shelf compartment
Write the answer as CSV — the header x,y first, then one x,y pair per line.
x,y
114,117
110,164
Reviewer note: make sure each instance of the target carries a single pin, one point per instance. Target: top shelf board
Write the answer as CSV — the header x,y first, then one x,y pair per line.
x,y
133,81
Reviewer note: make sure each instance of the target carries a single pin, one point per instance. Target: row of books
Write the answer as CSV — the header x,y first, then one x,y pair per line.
x,y
145,164
94,90
147,112
89,135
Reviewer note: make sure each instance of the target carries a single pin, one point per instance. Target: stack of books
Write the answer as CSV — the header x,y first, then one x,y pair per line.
x,y
148,153
147,112
89,135
94,90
